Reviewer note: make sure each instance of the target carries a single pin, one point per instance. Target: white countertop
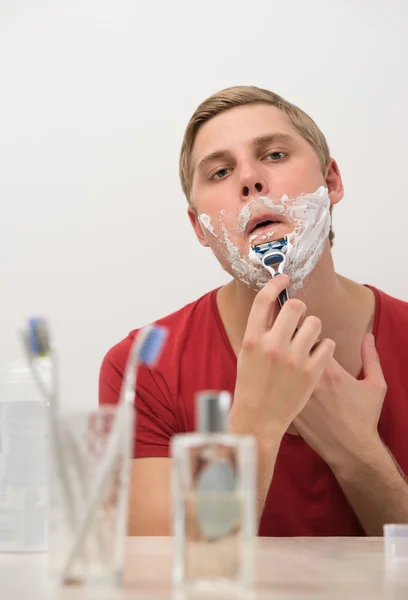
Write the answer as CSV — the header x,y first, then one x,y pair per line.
x,y
295,568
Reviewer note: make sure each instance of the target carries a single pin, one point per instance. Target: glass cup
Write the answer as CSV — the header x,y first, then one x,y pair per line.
x,y
90,466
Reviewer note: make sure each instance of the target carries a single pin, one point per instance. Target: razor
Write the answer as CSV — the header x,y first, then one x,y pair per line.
x,y
273,257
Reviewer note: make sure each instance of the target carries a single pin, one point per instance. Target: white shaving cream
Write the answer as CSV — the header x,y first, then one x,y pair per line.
x,y
309,215
307,242
244,217
205,220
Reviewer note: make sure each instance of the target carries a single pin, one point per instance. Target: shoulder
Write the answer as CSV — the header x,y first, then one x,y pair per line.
x,y
161,380
391,333
390,311
180,325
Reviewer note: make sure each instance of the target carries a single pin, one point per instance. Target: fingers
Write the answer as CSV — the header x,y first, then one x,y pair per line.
x,y
321,355
307,336
287,321
371,362
263,306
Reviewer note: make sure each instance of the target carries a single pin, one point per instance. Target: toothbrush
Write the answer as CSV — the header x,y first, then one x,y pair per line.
x,y
37,346
145,349
42,360
273,258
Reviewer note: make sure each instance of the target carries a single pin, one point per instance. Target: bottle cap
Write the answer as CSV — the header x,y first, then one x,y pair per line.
x,y
212,410
396,541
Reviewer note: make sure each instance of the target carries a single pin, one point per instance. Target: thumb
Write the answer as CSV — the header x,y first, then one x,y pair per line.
x,y
371,361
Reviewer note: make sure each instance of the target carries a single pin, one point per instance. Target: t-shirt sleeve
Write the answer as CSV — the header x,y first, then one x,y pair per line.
x,y
155,419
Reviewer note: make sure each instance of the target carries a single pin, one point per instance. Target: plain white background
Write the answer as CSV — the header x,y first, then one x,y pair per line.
x,y
95,96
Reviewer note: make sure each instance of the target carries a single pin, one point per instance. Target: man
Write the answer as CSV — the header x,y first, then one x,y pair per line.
x,y
309,380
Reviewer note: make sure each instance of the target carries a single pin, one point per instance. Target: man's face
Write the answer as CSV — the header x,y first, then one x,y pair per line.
x,y
240,157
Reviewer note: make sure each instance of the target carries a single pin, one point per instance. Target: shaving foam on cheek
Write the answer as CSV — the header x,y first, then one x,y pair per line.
x,y
253,257
244,217
240,266
237,265
205,220
309,216
311,213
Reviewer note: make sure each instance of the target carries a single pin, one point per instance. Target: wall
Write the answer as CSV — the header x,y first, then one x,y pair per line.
x,y
95,96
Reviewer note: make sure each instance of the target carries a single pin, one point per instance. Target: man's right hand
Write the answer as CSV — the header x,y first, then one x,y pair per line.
x,y
278,366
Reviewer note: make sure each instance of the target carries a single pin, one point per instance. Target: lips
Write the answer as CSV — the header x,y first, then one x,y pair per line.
x,y
263,221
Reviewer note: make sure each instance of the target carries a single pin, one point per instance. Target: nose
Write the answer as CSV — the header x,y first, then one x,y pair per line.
x,y
246,190
252,184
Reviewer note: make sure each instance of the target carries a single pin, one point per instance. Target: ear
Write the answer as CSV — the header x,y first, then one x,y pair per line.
x,y
334,182
196,224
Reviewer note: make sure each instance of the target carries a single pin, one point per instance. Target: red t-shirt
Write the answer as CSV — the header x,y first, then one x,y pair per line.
x,y
304,497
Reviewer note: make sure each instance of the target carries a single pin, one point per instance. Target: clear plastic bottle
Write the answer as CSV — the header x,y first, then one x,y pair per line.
x,y
23,463
214,499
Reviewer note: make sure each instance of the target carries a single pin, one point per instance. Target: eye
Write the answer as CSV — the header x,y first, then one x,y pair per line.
x,y
275,156
220,174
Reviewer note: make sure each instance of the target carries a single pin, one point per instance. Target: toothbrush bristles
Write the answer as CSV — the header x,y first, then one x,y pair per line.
x,y
38,336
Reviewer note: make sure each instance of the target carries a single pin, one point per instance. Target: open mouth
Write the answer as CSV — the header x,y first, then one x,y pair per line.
x,y
264,224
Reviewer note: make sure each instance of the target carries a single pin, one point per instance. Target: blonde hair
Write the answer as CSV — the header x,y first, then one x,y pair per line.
x,y
239,96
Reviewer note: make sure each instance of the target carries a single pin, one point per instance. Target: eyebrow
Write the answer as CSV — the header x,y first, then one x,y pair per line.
x,y
258,142
272,138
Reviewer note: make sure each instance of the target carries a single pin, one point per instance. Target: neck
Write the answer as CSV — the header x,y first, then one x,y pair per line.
x,y
342,305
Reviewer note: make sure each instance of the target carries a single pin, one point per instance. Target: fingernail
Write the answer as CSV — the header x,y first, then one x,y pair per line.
x,y
371,339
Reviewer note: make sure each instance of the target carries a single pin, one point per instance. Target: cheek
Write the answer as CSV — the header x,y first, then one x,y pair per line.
x,y
216,212
299,177
213,197
310,172
222,224
213,204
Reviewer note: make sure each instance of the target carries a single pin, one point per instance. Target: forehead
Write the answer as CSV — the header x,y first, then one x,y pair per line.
x,y
236,127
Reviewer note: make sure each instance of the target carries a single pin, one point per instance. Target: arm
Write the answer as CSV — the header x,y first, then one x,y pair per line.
x,y
267,454
276,374
375,487
150,501
340,422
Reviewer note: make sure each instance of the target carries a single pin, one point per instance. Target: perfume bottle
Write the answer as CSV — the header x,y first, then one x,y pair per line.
x,y
214,499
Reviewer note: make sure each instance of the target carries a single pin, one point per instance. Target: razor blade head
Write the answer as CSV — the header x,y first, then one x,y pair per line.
x,y
272,255
279,246
273,258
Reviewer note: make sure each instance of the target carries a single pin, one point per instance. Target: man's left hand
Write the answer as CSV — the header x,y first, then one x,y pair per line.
x,y
341,418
